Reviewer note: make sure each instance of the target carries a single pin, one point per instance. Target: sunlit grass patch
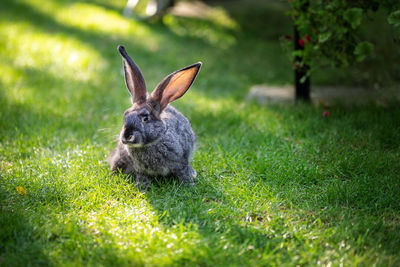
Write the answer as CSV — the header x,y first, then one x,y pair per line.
x,y
56,54
89,17
97,20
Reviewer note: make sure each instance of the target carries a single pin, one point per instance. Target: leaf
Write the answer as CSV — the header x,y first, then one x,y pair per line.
x,y
323,37
363,50
297,53
21,190
303,79
394,18
353,16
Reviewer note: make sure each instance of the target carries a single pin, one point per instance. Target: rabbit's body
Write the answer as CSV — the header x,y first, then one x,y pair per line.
x,y
167,155
156,139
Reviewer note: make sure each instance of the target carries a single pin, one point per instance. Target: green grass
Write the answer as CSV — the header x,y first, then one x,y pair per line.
x,y
277,185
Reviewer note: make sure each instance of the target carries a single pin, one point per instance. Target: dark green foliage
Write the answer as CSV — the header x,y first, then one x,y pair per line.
x,y
332,30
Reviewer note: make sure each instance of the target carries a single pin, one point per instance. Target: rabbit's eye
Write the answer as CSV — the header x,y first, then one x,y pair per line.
x,y
145,118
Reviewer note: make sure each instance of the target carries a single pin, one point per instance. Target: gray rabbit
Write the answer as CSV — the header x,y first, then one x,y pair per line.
x,y
156,139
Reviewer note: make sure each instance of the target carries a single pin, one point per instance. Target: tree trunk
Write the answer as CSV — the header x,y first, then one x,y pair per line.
x,y
302,88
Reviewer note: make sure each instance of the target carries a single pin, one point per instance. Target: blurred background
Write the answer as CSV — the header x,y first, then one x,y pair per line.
x,y
242,43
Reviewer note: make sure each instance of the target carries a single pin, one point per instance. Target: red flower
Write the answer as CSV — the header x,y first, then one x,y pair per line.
x,y
302,42
326,113
307,38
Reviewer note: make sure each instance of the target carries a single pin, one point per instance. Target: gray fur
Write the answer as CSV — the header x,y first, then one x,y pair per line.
x,y
154,142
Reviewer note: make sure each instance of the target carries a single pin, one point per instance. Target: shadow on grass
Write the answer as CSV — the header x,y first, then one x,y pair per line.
x,y
25,120
19,239
222,227
353,188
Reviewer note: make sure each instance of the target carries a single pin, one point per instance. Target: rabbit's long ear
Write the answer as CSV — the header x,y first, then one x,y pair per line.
x,y
174,86
133,78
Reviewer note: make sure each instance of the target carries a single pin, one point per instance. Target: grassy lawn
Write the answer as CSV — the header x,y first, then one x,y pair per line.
x,y
277,185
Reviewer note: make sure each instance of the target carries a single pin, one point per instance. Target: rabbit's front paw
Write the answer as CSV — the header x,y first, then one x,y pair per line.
x,y
186,175
142,182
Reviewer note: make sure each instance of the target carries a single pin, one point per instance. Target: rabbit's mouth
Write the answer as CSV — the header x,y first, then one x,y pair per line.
x,y
135,145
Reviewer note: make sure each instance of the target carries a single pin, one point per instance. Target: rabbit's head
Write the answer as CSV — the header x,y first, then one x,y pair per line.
x,y
143,122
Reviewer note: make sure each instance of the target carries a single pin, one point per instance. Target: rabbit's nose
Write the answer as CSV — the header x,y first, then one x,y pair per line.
x,y
128,139
131,138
